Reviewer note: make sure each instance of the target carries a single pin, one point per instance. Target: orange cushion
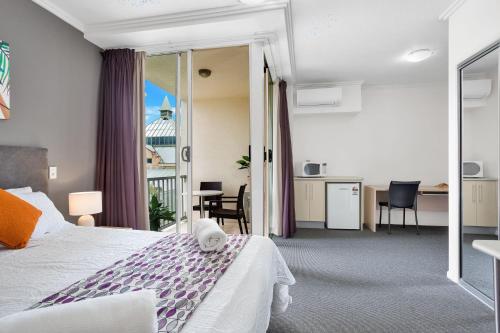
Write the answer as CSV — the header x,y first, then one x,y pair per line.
x,y
17,220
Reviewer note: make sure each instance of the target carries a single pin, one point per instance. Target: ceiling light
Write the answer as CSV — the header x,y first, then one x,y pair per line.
x,y
204,72
252,2
419,55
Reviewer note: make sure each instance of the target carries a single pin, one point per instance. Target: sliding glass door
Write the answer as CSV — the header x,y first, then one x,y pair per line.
x,y
480,168
184,154
168,107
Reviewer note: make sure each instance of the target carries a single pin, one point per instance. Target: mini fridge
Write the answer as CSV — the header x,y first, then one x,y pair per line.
x,y
343,206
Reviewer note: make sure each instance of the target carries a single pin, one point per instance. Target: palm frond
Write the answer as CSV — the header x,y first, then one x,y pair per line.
x,y
4,66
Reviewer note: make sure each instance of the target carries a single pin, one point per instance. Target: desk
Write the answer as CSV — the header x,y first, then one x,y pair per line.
x,y
371,202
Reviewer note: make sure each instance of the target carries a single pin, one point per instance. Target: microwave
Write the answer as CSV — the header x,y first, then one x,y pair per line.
x,y
472,169
311,169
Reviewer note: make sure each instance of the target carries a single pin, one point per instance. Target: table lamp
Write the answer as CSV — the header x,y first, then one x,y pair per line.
x,y
84,204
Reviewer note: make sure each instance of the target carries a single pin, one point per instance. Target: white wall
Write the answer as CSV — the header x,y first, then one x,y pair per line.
x,y
221,134
401,134
472,27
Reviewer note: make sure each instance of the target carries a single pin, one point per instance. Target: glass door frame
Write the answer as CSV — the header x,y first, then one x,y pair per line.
x,y
184,152
470,288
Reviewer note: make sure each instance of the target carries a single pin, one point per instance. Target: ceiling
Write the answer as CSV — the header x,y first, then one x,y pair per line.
x,y
229,78
321,40
346,40
99,11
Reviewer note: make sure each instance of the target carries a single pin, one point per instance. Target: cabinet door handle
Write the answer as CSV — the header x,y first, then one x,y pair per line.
x,y
473,193
480,192
312,192
307,192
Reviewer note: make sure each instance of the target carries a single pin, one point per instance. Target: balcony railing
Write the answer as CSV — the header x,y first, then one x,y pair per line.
x,y
165,189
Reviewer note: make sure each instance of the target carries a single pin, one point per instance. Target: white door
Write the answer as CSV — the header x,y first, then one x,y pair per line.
x,y
343,205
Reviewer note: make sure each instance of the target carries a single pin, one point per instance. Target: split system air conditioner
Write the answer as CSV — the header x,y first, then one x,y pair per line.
x,y
308,97
475,92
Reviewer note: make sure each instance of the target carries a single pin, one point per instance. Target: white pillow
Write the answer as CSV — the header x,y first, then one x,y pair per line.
x,y
20,190
51,220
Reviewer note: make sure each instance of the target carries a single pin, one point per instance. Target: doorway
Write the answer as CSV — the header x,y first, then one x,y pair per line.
x,y
198,131
221,134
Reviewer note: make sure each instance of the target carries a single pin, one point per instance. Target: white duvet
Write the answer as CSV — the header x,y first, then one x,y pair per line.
x,y
240,301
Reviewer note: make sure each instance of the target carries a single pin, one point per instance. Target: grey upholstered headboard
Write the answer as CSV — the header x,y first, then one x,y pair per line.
x,y
24,166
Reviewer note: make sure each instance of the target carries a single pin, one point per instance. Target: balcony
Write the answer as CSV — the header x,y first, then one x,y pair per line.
x,y
165,189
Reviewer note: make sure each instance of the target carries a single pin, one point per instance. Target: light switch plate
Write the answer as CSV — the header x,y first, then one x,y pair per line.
x,y
52,172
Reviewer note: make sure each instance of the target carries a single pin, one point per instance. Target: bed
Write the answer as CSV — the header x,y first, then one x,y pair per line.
x,y
240,301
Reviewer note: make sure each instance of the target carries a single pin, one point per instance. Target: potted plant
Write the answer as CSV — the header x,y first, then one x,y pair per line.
x,y
158,213
244,164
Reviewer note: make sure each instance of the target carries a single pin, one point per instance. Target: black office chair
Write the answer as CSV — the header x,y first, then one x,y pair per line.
x,y
234,214
401,195
214,186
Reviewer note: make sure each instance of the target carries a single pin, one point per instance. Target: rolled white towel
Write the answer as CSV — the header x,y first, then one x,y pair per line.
x,y
210,236
133,312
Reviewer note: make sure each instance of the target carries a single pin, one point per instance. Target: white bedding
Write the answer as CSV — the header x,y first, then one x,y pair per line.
x,y
239,302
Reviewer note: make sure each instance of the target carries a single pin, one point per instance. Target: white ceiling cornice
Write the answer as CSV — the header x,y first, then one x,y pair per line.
x,y
62,14
199,17
182,18
451,10
92,32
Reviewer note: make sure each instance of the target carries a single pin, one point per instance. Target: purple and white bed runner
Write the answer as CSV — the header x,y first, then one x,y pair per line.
x,y
175,267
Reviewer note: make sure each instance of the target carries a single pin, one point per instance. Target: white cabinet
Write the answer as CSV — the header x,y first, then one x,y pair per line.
x,y
310,200
480,203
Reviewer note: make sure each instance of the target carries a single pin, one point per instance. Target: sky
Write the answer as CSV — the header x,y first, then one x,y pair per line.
x,y
154,99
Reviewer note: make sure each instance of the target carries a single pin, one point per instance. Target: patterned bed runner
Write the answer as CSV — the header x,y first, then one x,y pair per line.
x,y
175,267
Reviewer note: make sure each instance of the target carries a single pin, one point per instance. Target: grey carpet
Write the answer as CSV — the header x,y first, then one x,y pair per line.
x,y
351,281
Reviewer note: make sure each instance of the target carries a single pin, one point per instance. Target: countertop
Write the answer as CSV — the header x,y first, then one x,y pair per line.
x,y
491,247
339,179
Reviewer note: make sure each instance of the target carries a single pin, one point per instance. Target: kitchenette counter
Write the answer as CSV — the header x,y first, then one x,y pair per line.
x,y
339,179
311,198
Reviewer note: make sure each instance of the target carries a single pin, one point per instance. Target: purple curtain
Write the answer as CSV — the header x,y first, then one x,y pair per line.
x,y
116,174
287,191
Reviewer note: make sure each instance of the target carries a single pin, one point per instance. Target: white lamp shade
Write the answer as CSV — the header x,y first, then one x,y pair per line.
x,y
85,203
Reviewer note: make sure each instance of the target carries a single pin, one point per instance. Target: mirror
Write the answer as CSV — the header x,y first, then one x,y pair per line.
x,y
480,130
